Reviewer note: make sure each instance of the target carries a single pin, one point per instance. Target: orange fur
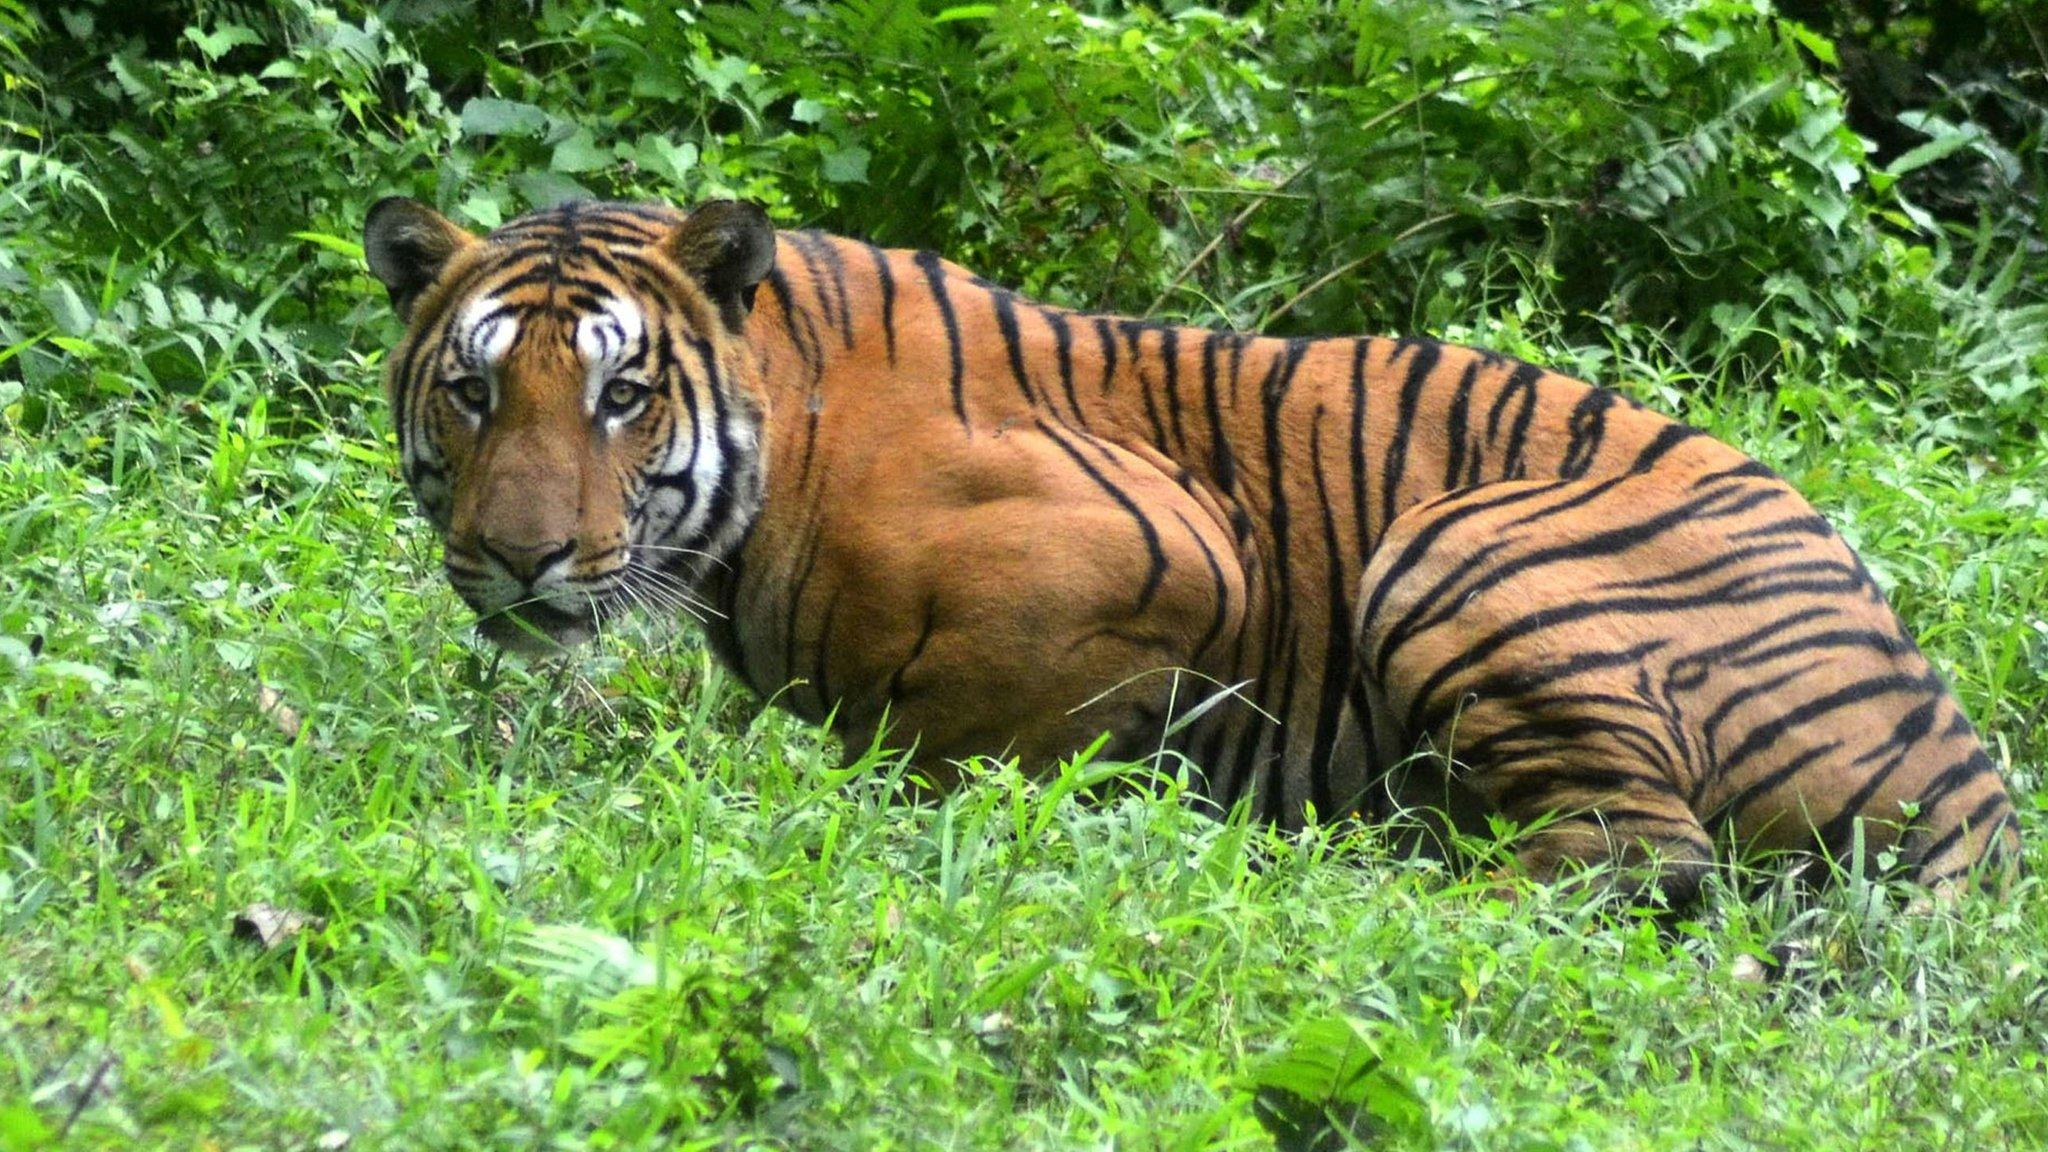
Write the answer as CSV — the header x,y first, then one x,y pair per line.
x,y
1005,529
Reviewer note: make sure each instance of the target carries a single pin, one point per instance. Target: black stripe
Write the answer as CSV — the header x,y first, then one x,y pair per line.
x,y
689,395
1337,658
1455,431
1365,541
1975,819
1870,639
1169,355
924,636
1532,784
806,245
828,254
1422,360
822,651
792,605
1421,542
1151,407
1527,680
1809,525
1547,735
1708,567
1005,307
1278,513
1063,346
797,324
1749,470
813,409
935,278
886,281
720,500
1588,428
1222,465
1245,761
1548,617
1521,382
1276,792
1156,572
1837,834
1770,732
1670,437
1108,343
1217,579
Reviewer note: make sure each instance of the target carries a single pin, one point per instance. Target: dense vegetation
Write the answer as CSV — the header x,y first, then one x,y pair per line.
x,y
610,903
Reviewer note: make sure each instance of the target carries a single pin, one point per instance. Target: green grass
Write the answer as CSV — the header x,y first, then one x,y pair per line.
x,y
613,904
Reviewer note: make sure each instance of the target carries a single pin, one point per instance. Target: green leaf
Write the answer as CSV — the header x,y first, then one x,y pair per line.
x,y
847,165
239,655
488,116
675,160
1829,209
964,12
1818,124
723,75
485,207
1323,1060
546,189
807,111
1335,1062
222,40
1013,980
336,244
136,77
21,1128
1823,49
69,309
579,152
23,345
1921,155
73,670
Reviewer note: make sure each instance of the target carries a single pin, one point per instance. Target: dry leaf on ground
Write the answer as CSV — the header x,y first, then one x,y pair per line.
x,y
270,925
270,702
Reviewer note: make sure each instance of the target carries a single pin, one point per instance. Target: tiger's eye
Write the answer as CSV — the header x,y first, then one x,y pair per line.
x,y
471,392
622,394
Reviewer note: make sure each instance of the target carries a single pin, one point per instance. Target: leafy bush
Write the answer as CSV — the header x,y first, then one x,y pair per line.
x,y
1686,166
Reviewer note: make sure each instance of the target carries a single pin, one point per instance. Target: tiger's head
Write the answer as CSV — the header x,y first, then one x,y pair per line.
x,y
575,402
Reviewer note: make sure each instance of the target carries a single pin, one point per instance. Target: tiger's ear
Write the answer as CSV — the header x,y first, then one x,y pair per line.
x,y
407,244
728,248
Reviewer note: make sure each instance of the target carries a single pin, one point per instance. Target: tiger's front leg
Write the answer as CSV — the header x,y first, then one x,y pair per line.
x,y
1023,599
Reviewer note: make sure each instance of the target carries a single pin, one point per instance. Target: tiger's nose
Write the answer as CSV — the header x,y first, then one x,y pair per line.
x,y
527,563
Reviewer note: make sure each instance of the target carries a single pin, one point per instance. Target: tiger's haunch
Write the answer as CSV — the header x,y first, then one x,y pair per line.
x,y
1396,578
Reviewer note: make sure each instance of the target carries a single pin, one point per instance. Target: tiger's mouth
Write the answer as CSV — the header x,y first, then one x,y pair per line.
x,y
538,628
543,623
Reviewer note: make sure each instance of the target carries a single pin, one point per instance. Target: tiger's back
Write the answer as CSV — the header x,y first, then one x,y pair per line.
x,y
996,527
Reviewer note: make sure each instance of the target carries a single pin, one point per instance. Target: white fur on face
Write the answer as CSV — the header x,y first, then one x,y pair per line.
x,y
605,341
484,333
479,338
694,448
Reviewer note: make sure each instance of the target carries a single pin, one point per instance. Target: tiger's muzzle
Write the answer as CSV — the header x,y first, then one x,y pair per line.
x,y
528,597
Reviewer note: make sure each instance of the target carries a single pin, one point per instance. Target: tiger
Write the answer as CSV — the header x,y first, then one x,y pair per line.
x,y
1335,578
